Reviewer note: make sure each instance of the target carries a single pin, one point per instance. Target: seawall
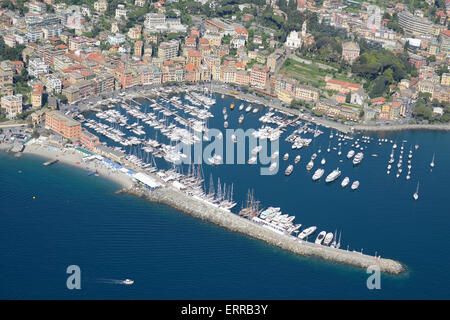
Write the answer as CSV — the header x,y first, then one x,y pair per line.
x,y
202,210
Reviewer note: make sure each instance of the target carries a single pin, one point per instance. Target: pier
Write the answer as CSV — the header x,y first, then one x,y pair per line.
x,y
50,162
205,211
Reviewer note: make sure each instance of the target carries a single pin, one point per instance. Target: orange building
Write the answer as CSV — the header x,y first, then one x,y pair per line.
x,y
36,96
259,76
88,139
385,113
192,74
195,58
342,86
63,125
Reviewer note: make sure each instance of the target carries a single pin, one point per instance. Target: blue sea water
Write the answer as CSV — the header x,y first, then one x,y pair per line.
x,y
76,219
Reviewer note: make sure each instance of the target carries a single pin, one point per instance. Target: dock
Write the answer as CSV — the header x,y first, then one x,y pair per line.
x,y
50,162
231,221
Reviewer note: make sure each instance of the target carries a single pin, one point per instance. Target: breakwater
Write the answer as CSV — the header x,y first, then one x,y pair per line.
x,y
202,210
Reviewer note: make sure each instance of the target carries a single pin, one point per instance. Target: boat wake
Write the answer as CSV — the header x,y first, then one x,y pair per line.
x,y
113,281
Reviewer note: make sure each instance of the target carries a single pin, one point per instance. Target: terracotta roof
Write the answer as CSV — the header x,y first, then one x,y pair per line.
x,y
344,84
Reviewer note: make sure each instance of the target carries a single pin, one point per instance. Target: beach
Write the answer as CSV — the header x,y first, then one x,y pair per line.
x,y
75,158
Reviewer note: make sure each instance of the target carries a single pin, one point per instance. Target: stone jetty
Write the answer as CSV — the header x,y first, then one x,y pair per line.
x,y
205,211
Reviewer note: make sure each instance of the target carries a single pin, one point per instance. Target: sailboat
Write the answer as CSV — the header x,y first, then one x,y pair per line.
x,y
416,194
432,162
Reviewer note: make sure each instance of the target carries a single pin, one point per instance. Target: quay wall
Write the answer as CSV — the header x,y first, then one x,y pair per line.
x,y
204,211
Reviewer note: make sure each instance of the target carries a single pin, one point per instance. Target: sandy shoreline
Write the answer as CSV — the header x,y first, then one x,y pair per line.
x,y
74,158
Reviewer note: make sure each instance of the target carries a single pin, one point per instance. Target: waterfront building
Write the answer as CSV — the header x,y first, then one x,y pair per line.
x,y
110,153
89,140
12,105
259,76
242,78
306,93
385,112
333,109
38,116
227,74
62,124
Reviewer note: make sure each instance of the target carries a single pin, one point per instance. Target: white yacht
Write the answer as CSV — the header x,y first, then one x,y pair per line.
x,y
241,107
297,159
248,109
128,282
328,238
416,194
333,175
350,154
345,182
273,166
318,174
289,170
286,156
320,237
252,160
432,162
310,165
355,185
307,232
358,158
323,161
256,149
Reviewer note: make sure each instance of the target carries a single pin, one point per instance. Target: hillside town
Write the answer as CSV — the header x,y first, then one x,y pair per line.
x,y
349,61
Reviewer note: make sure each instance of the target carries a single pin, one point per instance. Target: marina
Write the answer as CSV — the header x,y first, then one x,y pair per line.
x,y
147,130
168,116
